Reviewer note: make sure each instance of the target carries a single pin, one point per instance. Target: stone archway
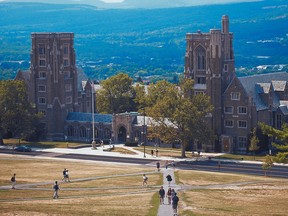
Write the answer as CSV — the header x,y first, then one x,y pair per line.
x,y
122,132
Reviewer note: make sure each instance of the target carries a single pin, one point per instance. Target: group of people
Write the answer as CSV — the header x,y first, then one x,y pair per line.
x,y
156,152
55,186
171,194
171,197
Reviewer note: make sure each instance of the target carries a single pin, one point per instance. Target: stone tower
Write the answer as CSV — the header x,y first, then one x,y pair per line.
x,y
209,61
53,76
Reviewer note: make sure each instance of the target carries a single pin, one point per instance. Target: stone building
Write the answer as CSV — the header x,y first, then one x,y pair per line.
x,y
239,103
65,97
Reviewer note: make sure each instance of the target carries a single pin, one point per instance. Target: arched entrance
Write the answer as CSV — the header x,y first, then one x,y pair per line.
x,y
122,134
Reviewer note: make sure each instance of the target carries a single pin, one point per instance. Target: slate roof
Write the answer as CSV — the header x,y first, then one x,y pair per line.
x,y
87,117
253,85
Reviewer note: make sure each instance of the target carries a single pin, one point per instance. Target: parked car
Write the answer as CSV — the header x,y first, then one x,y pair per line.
x,y
23,148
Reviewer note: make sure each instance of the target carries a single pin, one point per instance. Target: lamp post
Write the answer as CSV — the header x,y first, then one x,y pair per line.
x,y
144,134
93,120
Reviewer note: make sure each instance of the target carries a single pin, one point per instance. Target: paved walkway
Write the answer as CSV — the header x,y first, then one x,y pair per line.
x,y
166,209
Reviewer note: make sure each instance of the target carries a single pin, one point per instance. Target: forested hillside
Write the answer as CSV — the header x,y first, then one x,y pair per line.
x,y
142,42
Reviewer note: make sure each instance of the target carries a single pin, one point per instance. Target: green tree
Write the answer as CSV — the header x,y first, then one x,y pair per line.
x,y
254,143
178,113
282,137
16,112
116,95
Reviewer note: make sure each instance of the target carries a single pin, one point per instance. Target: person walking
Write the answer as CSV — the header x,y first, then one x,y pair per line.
x,y
156,152
145,179
169,195
56,189
152,152
158,166
67,175
13,181
175,201
64,175
169,179
172,193
161,195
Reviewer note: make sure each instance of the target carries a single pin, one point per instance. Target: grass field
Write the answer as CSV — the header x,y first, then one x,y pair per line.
x,y
231,194
95,188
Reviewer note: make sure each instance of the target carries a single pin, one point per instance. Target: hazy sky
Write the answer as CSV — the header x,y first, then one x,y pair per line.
x,y
111,1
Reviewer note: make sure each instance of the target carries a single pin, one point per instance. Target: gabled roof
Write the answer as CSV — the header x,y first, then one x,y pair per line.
x,y
87,117
252,89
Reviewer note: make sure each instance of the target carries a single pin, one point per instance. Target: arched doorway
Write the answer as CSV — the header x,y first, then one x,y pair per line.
x,y
122,134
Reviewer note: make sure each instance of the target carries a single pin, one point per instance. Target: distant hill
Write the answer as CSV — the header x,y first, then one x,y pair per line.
x,y
143,42
136,4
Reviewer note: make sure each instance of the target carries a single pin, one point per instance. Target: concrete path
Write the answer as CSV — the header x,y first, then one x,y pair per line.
x,y
166,209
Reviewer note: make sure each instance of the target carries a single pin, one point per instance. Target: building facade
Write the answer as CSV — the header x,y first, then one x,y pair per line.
x,y
65,97
239,103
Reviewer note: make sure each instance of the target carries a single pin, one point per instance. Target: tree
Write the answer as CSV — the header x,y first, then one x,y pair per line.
x,y
116,96
16,112
178,113
267,164
254,142
282,137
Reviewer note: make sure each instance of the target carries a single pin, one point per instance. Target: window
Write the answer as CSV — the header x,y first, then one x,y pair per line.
x,y
228,123
41,88
235,96
42,63
201,58
71,131
228,109
42,74
242,110
242,142
66,62
68,87
278,121
201,80
43,112
68,100
42,100
107,133
242,124
41,49
225,67
199,92
66,50
82,132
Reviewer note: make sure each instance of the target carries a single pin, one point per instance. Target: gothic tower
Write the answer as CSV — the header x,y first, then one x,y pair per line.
x,y
53,76
209,61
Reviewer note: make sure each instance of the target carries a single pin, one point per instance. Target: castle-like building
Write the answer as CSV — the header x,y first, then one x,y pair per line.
x,y
64,95
239,103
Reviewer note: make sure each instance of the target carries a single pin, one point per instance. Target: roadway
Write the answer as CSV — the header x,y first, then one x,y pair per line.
x,y
242,167
141,161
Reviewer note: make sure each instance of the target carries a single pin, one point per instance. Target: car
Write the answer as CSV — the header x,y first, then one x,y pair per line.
x,y
23,148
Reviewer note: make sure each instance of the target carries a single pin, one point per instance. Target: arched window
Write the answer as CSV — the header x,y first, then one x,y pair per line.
x,y
201,58
82,131
107,133
71,131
